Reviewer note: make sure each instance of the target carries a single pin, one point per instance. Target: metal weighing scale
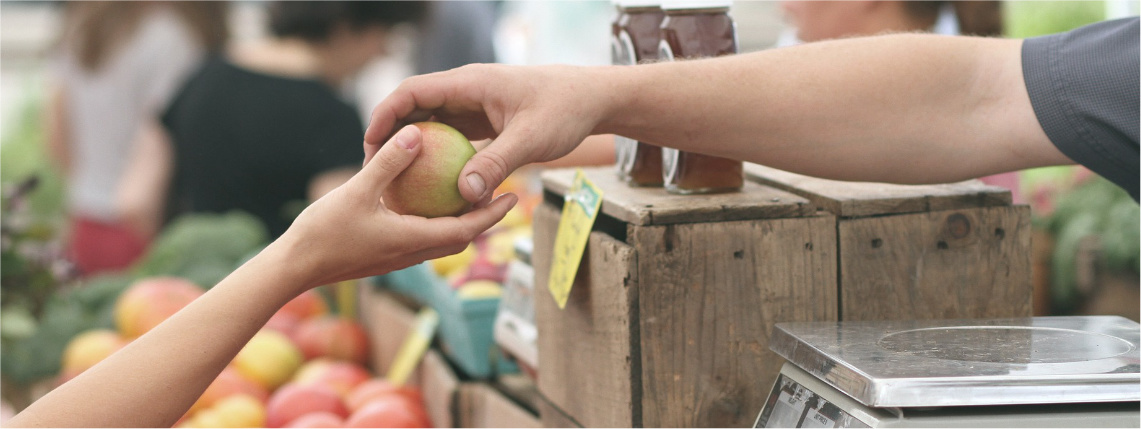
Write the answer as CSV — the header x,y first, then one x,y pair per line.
x,y
1077,371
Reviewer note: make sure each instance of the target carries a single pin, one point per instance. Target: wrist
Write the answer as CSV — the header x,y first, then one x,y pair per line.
x,y
286,262
618,90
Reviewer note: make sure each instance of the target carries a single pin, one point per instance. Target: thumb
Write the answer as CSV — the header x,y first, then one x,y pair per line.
x,y
490,166
391,159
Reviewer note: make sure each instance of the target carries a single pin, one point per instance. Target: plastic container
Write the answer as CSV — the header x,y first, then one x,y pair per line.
x,y
466,329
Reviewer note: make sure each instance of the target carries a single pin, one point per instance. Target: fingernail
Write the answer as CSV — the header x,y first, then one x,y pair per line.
x,y
476,183
406,138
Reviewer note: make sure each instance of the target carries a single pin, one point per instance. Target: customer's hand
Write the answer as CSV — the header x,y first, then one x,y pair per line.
x,y
533,114
349,233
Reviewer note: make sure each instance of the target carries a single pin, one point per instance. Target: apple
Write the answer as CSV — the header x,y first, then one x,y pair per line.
x,y
429,187
295,400
204,419
333,337
317,420
307,305
149,301
450,263
88,349
239,411
269,359
229,383
285,323
368,391
342,376
390,411
479,289
483,269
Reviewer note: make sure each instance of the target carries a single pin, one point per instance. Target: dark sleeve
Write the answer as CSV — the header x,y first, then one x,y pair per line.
x,y
1083,85
340,140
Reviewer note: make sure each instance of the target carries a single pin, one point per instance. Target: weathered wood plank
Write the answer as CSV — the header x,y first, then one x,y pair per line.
x,y
552,417
438,384
587,367
387,323
967,263
481,406
655,206
857,199
709,296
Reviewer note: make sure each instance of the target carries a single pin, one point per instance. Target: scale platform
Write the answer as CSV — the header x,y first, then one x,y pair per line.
x,y
1042,371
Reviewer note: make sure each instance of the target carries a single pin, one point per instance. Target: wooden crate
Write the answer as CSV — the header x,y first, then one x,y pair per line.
x,y
945,251
668,320
483,406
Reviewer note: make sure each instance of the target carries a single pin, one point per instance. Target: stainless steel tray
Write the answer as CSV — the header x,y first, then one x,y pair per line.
x,y
933,363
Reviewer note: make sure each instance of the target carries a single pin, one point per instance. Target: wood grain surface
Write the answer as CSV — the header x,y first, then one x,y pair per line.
x,y
654,206
968,263
587,366
858,199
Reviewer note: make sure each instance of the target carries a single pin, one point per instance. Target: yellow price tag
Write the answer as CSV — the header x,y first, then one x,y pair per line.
x,y
580,209
414,346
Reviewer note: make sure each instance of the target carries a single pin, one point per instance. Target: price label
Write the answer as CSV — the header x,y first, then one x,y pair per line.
x,y
580,209
417,342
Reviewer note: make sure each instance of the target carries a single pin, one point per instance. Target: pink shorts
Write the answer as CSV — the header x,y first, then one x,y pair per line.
x,y
98,247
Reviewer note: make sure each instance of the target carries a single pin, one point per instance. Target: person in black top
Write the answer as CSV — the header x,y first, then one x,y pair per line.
x,y
263,129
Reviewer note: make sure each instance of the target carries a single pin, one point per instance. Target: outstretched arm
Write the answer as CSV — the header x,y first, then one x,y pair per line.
x,y
898,108
347,234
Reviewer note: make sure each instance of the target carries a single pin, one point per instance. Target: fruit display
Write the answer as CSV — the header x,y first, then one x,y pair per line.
x,y
305,368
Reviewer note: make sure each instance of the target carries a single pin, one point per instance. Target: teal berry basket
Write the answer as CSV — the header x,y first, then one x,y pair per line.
x,y
418,282
466,330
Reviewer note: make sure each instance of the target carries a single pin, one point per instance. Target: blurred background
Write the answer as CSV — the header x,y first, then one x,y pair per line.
x,y
86,212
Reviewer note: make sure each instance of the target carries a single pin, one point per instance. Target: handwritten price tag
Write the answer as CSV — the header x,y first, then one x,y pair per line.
x,y
579,212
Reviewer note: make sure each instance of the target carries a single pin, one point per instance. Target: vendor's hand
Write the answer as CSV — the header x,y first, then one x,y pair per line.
x,y
349,233
533,114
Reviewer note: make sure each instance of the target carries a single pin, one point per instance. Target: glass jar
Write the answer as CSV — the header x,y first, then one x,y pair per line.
x,y
637,35
620,54
698,29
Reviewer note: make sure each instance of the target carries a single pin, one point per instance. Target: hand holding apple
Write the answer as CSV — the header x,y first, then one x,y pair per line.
x,y
351,233
532,114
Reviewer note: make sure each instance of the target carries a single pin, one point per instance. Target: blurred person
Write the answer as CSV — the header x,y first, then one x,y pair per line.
x,y
118,65
815,21
262,127
457,33
346,234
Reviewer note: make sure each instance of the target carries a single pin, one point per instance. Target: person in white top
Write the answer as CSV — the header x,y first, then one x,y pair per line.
x,y
118,65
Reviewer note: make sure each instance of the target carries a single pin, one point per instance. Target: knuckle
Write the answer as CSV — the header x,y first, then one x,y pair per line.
x,y
497,165
389,163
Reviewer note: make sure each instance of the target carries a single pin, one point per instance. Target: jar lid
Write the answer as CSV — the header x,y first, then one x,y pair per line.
x,y
638,3
696,4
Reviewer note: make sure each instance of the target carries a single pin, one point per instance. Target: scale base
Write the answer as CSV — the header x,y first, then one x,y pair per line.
x,y
801,400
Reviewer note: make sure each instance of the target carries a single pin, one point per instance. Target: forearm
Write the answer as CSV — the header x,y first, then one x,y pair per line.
x,y
903,108
155,379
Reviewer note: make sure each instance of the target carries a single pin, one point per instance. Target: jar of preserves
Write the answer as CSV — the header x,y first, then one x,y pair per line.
x,y
637,33
698,29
